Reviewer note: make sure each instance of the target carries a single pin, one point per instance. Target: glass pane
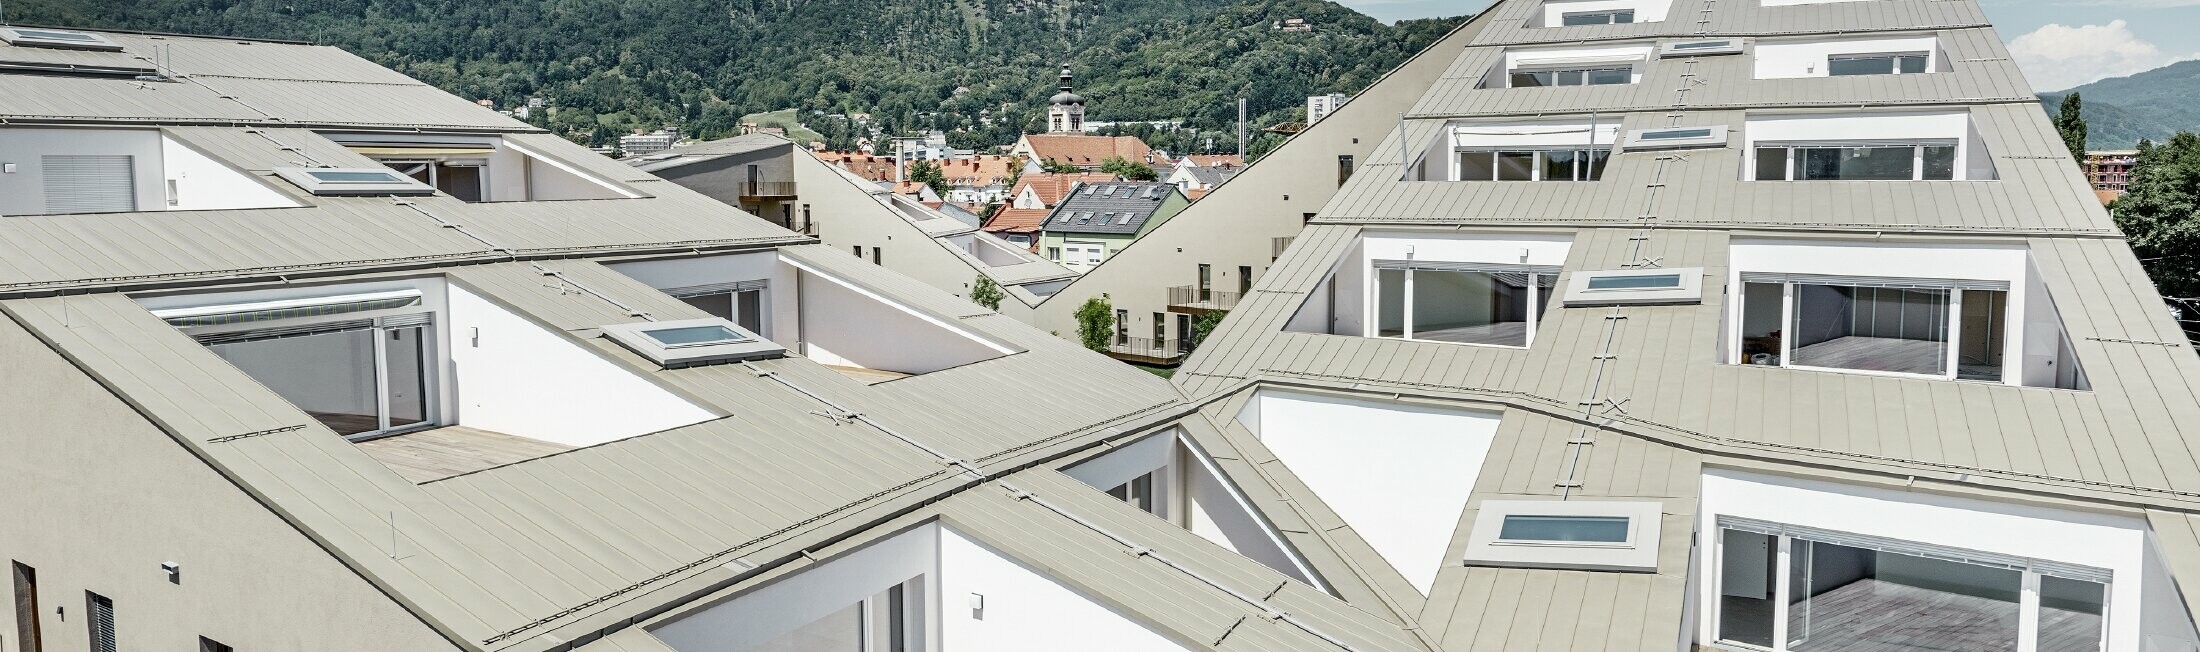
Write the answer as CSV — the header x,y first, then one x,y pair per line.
x,y
1611,76
715,305
1586,19
1772,164
1558,165
1747,567
462,182
1531,78
1623,17
1587,529
1940,162
1477,166
1470,307
1858,599
692,335
1653,281
1761,310
329,375
1597,159
1900,330
1985,317
1515,166
2070,614
1911,64
405,356
1859,66
751,313
1568,78
1390,303
1855,163
1546,285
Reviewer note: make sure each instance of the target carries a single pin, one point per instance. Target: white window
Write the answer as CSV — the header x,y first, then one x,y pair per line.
x,y
1792,588
1592,66
1463,303
1608,17
1083,254
1585,535
1528,151
1594,76
1563,13
364,365
1533,165
1845,65
1856,161
1947,329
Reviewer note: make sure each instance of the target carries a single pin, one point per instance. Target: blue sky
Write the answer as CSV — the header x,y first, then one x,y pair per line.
x,y
2058,43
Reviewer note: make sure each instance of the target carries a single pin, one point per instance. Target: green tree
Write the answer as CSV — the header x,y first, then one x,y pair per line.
x,y
2070,122
1096,322
930,174
1051,166
2160,213
1206,324
1128,169
986,293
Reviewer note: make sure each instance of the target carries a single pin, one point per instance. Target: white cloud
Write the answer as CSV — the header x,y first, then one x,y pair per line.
x,y
2057,57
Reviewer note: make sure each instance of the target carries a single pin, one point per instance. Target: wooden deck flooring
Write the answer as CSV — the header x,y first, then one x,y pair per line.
x,y
1873,616
867,376
439,453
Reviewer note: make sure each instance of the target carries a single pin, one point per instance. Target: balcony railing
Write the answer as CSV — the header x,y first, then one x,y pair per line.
x,y
1187,298
1146,349
766,188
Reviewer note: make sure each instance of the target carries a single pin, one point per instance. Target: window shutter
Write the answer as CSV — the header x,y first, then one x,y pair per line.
x,y
102,619
89,184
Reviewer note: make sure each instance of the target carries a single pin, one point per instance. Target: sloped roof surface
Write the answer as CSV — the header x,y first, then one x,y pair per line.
x,y
692,153
1119,207
1081,150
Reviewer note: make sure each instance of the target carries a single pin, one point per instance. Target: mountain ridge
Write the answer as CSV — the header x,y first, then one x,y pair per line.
x,y
2154,105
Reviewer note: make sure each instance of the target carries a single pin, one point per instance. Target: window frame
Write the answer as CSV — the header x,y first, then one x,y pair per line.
x,y
1783,573
1637,553
1539,297
382,322
1584,74
1894,62
1753,168
1611,17
1537,164
1951,358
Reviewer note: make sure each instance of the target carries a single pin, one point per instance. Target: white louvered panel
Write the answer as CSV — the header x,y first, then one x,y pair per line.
x,y
78,183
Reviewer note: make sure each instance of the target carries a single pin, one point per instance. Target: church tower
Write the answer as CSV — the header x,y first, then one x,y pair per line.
x,y
1066,115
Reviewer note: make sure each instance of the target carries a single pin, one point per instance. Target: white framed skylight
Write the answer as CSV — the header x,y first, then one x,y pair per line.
x,y
57,38
1573,535
1635,286
1700,48
690,342
1676,137
342,182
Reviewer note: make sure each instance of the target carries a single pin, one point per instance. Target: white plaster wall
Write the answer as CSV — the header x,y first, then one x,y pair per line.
x,y
1126,462
540,178
763,615
847,325
23,192
1399,474
2106,541
1024,609
1218,511
1865,126
784,327
1646,11
203,183
1788,59
2164,624
1938,261
520,379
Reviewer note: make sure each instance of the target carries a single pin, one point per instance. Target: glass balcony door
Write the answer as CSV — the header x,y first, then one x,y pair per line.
x,y
1939,329
360,378
1464,305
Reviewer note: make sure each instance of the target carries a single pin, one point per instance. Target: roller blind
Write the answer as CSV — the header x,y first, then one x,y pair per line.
x,y
82,183
714,288
1873,281
102,619
1445,266
1926,550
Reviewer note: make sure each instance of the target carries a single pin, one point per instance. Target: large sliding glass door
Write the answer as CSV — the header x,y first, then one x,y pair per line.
x,y
362,378
1822,591
1496,305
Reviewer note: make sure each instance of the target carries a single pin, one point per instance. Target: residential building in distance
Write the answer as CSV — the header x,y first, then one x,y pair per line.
x,y
1805,336
2110,172
1034,198
753,172
307,395
641,144
1320,106
978,180
1095,220
1195,180
1084,152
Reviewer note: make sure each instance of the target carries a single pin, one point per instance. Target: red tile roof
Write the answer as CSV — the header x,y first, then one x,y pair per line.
x,y
1017,220
1052,187
875,168
1212,160
1089,150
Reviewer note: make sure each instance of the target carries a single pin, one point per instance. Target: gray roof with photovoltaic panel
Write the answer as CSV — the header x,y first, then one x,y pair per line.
x,y
2122,445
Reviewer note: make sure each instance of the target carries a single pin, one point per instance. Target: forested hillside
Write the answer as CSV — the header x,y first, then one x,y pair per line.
x,y
611,65
2154,105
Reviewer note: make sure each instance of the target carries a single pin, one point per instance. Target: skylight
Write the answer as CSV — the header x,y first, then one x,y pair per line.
x,y
337,182
55,38
690,342
1566,534
1676,137
1700,48
1635,286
